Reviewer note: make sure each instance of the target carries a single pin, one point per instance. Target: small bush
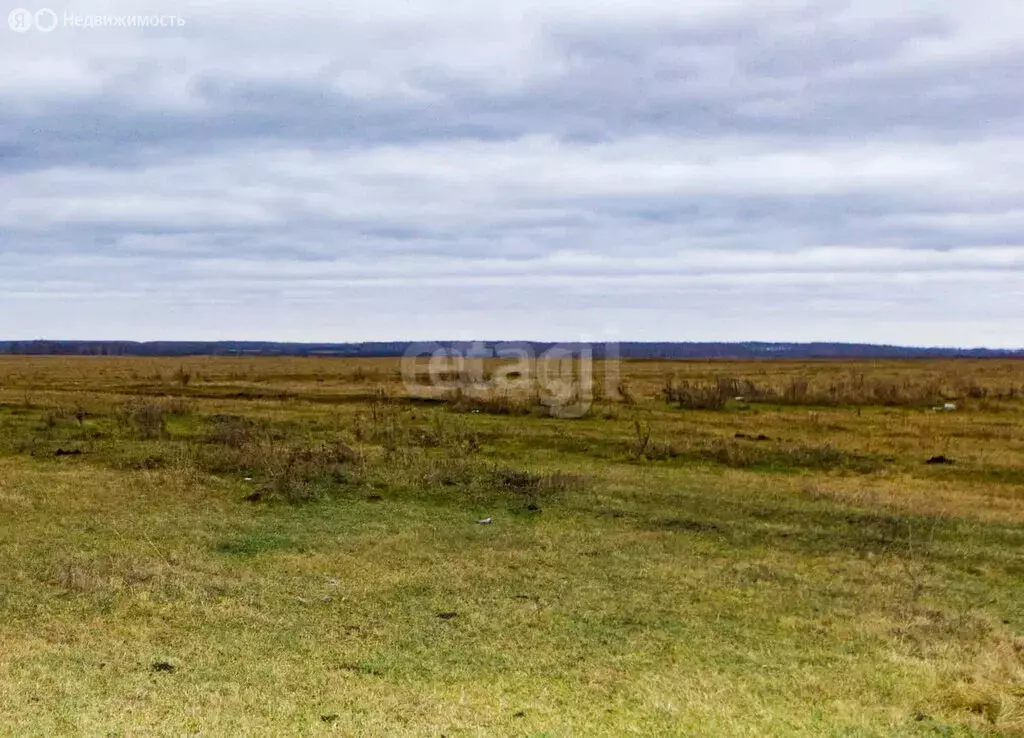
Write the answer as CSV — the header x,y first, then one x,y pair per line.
x,y
234,431
147,419
529,491
448,471
305,474
362,375
644,447
494,403
521,482
182,376
64,415
700,395
447,432
385,425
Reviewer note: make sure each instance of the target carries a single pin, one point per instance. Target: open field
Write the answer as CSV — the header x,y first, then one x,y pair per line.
x,y
222,546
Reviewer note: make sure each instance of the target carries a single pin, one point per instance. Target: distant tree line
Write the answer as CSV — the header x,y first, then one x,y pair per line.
x,y
626,350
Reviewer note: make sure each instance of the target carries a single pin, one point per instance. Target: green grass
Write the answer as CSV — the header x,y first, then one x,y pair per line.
x,y
779,590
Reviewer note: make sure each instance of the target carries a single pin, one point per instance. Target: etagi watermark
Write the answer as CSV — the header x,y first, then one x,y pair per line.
x,y
45,20
560,377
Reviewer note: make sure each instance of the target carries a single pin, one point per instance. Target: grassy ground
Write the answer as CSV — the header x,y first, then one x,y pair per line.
x,y
290,546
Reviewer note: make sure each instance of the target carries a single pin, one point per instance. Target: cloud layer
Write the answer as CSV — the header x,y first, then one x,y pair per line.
x,y
417,169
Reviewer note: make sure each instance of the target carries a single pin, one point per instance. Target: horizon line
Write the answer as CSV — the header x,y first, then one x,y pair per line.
x,y
671,342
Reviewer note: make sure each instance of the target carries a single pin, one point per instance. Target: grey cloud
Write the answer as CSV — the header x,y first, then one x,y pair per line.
x,y
813,170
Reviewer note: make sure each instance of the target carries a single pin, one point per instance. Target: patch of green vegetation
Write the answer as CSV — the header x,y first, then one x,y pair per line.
x,y
276,565
252,544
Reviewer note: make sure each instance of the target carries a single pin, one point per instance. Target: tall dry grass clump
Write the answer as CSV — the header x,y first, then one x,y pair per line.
x,y
700,395
146,418
855,389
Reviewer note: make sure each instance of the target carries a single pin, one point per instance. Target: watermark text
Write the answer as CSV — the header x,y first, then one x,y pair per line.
x,y
560,377
46,20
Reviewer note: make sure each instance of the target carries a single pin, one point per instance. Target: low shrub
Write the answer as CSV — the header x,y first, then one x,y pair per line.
x,y
494,403
695,395
645,447
147,418
522,482
444,431
308,473
234,431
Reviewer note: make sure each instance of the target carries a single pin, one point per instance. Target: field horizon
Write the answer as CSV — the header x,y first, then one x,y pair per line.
x,y
725,350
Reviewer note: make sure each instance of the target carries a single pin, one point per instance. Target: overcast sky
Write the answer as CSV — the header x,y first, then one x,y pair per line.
x,y
549,170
